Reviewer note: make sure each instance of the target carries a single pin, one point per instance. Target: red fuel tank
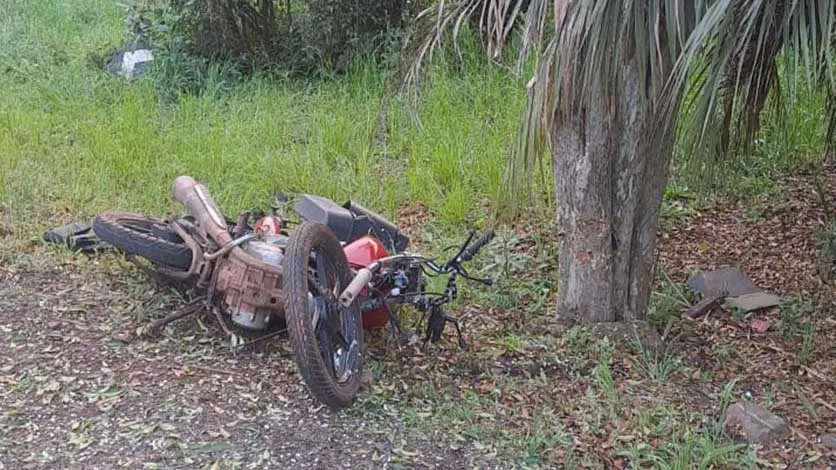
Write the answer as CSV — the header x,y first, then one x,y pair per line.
x,y
364,251
361,253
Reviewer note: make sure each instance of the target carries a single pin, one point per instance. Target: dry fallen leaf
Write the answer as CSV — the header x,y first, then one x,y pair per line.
x,y
759,326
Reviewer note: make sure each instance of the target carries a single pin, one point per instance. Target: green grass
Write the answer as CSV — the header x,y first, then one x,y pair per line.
x,y
790,137
77,141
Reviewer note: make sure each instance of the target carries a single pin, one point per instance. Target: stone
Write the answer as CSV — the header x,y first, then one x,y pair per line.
x,y
829,441
722,282
756,301
759,425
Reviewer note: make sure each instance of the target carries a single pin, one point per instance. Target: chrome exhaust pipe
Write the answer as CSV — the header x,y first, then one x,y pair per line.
x,y
199,204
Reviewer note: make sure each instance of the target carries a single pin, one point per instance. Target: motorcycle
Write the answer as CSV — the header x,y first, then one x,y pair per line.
x,y
342,269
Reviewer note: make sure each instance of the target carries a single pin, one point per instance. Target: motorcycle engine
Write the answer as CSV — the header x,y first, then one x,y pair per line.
x,y
270,251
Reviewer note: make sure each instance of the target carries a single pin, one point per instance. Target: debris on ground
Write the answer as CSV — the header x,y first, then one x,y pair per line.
x,y
732,285
759,425
775,241
77,237
752,302
706,305
728,280
130,63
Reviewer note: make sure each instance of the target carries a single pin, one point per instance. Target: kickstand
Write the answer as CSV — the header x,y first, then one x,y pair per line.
x,y
455,322
160,323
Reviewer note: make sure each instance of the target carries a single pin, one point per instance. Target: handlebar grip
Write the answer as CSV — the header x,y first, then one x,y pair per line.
x,y
473,249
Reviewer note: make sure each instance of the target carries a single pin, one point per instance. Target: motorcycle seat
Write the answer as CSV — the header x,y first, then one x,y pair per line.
x,y
350,221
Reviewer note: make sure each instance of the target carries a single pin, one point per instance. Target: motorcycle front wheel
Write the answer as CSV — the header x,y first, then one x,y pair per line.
x,y
327,339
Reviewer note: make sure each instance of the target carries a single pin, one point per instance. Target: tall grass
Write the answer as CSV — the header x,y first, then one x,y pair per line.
x,y
76,141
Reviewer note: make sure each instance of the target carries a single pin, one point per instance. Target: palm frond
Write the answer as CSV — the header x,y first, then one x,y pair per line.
x,y
726,53
590,43
496,19
732,60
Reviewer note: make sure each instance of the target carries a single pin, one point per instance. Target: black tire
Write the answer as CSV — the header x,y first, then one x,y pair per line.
x,y
313,340
143,236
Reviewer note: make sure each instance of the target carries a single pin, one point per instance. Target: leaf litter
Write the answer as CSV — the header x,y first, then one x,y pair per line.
x,y
80,391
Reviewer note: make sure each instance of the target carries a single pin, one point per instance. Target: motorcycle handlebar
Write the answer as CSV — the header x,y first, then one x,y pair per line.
x,y
364,276
360,281
471,251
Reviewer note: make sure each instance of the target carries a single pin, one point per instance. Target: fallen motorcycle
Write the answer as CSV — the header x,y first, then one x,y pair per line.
x,y
341,270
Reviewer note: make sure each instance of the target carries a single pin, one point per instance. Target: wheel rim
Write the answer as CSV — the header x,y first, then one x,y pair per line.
x,y
334,326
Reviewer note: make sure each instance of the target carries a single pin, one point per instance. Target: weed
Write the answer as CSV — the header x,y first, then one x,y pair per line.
x,y
739,314
683,448
502,258
769,395
718,426
753,215
807,343
578,339
541,437
826,245
722,352
675,215
603,371
657,364
665,304
515,343
793,312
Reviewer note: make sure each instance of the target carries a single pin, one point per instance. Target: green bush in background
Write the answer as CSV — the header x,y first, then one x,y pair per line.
x,y
295,36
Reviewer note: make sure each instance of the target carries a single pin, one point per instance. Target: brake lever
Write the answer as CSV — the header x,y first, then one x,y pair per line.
x,y
460,271
486,281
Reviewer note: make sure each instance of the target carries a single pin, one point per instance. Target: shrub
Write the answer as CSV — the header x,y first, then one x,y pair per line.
x,y
301,36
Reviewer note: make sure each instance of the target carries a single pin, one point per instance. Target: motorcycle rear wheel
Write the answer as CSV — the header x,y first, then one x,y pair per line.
x,y
143,236
327,339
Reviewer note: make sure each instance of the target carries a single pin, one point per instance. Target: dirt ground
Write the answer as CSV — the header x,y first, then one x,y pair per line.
x,y
80,390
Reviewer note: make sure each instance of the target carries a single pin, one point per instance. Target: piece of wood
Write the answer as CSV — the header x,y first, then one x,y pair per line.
x,y
705,305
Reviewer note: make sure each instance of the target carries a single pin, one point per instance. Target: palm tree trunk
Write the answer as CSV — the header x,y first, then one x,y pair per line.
x,y
610,168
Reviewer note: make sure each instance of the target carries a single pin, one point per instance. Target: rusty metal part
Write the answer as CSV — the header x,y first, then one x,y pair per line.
x,y
251,288
198,266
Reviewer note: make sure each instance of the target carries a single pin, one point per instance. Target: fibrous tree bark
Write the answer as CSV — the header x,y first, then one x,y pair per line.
x,y
611,164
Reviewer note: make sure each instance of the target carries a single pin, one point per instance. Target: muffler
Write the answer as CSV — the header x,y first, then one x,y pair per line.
x,y
199,204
